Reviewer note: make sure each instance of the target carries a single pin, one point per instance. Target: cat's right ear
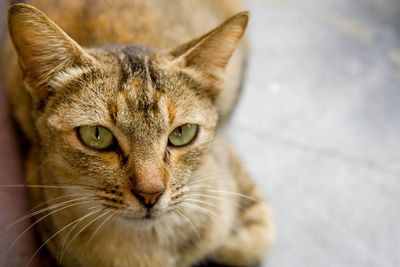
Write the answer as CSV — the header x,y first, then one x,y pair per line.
x,y
43,49
209,54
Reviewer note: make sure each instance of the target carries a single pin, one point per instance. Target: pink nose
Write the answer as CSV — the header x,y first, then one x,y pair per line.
x,y
147,183
149,199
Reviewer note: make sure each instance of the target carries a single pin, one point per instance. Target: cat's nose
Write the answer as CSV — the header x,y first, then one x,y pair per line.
x,y
148,199
148,190
147,183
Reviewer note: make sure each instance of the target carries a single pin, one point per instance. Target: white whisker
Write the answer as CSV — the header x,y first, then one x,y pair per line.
x,y
39,186
65,240
36,222
207,177
190,222
219,197
29,175
201,209
228,193
49,239
60,248
56,198
79,232
203,202
45,209
97,229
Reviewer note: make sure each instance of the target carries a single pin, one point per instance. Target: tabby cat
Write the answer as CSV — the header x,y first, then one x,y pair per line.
x,y
125,165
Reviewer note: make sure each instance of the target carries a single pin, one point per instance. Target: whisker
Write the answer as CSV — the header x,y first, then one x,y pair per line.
x,y
54,186
79,232
57,198
206,177
49,239
29,175
219,197
201,186
215,171
228,193
36,222
60,248
65,240
201,209
203,202
39,186
85,185
97,229
45,209
189,221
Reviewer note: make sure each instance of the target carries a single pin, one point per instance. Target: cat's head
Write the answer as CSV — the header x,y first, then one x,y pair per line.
x,y
132,123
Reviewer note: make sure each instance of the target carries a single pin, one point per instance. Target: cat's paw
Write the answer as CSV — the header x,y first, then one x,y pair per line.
x,y
251,240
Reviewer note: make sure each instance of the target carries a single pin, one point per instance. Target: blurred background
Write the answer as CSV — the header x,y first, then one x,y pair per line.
x,y
318,126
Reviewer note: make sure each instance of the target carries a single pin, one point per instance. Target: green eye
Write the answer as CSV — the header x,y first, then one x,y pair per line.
x,y
183,135
96,137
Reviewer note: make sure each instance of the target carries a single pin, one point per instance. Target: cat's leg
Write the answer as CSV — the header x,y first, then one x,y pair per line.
x,y
253,234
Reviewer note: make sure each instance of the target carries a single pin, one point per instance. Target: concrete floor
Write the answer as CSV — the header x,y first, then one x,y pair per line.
x,y
318,126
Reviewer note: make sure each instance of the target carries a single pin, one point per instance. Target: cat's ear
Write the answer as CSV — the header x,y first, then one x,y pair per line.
x,y
210,53
43,48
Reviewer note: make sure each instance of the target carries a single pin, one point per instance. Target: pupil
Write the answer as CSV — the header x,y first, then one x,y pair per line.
x,y
180,130
96,132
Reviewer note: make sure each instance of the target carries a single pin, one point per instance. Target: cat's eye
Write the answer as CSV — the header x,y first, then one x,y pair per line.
x,y
96,137
183,135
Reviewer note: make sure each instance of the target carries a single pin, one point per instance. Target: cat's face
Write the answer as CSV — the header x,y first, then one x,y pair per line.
x,y
140,99
129,124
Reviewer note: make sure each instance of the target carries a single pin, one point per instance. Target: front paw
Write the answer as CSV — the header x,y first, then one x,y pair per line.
x,y
251,240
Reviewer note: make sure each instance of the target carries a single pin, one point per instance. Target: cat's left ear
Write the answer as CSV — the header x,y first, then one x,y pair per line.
x,y
43,49
209,54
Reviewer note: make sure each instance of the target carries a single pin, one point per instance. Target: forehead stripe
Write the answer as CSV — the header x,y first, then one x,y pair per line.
x,y
148,77
124,62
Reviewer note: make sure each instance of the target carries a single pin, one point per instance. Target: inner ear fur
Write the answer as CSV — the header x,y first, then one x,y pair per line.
x,y
210,53
43,48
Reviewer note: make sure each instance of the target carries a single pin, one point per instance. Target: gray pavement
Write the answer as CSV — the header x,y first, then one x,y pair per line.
x,y
319,128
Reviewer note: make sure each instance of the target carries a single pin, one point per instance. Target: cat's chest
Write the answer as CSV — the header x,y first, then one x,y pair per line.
x,y
111,252
117,246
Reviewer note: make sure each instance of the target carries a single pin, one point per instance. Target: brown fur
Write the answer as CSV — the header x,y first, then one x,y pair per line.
x,y
141,93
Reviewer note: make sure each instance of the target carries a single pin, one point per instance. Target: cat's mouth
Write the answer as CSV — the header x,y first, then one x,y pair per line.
x,y
147,217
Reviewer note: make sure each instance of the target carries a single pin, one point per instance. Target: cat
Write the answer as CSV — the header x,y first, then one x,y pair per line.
x,y
125,166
